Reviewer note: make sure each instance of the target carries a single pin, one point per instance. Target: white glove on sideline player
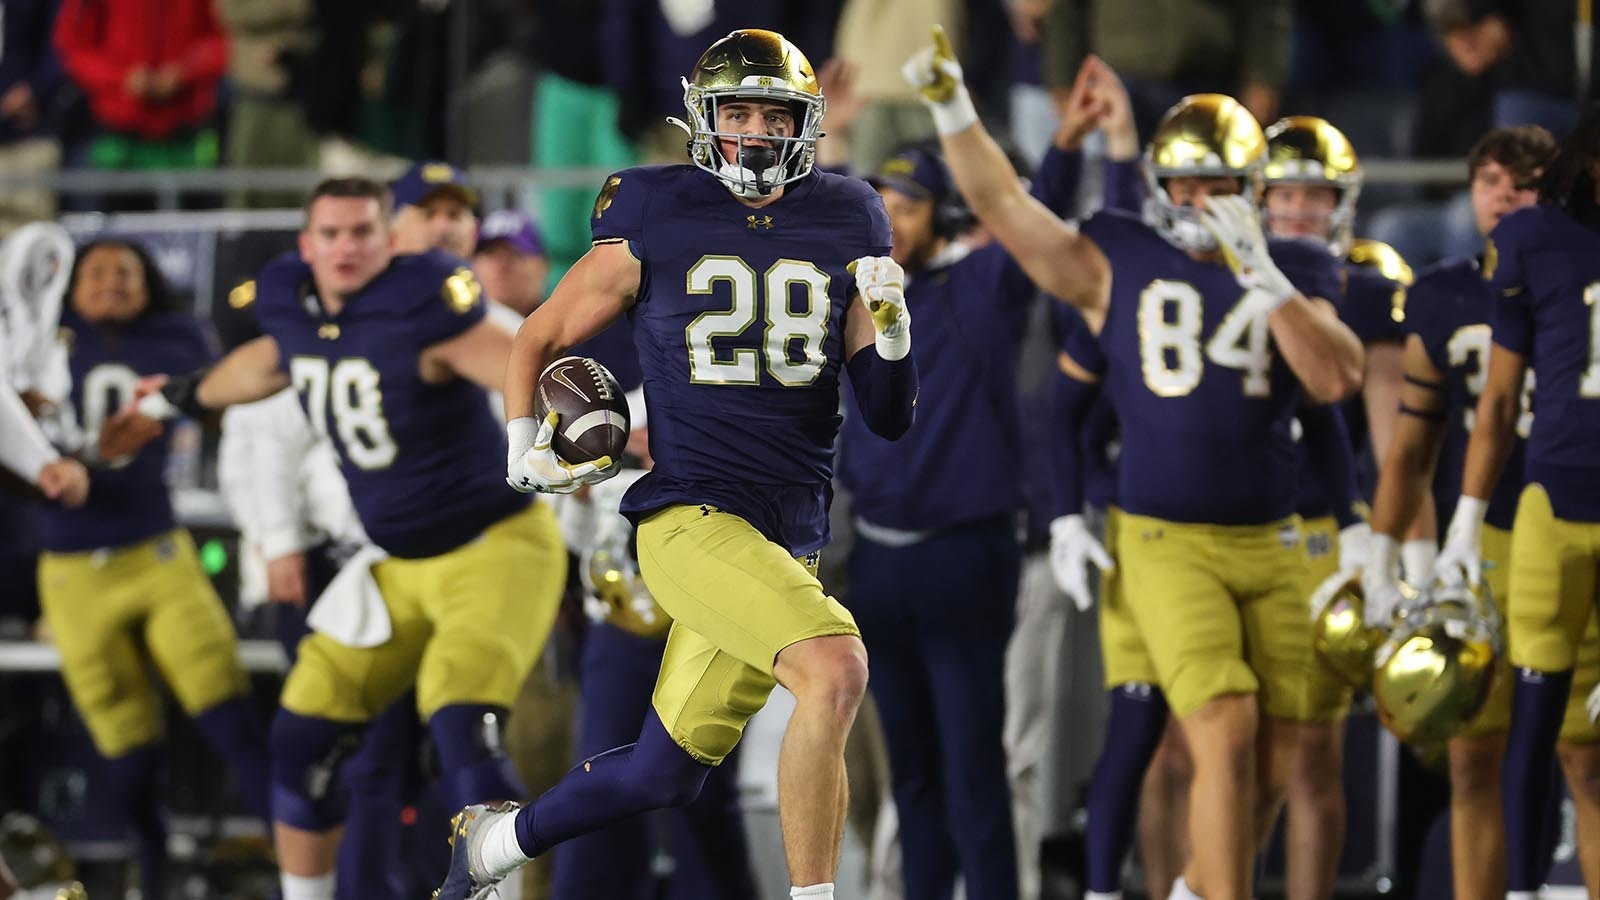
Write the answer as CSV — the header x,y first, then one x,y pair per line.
x,y
1380,590
1237,226
1072,550
1461,560
532,465
882,284
1354,548
934,72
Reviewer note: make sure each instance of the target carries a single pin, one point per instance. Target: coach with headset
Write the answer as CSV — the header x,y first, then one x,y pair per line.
x,y
933,573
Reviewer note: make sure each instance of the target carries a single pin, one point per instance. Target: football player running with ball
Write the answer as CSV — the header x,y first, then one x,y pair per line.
x,y
1208,553
738,274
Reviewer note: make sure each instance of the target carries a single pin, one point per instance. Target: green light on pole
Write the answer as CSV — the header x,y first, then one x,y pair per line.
x,y
213,557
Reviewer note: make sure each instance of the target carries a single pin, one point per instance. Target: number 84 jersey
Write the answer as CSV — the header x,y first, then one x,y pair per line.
x,y
425,461
739,324
1203,399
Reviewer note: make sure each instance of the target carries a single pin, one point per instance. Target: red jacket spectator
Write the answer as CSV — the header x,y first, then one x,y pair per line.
x,y
149,67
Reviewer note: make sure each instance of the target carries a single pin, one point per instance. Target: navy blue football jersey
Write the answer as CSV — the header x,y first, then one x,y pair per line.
x,y
1202,399
1448,310
1544,268
739,325
425,462
1374,306
128,503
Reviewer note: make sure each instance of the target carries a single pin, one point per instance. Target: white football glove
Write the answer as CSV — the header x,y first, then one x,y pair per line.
x,y
532,465
1380,589
1237,227
1593,705
934,72
1417,561
882,284
1072,550
1461,560
1354,548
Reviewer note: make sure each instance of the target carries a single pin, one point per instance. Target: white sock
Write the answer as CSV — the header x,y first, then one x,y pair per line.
x,y
1180,891
809,892
298,887
500,851
1102,895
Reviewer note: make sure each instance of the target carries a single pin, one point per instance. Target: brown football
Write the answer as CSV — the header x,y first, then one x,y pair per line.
x,y
592,411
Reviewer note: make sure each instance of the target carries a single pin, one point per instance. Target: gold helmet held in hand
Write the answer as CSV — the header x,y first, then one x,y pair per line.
x,y
1344,644
1202,136
1435,671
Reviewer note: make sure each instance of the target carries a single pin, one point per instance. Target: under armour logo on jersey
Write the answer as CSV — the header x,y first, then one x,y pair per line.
x,y
758,223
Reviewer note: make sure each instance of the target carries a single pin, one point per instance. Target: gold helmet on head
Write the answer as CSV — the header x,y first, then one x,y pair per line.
x,y
1386,261
1306,150
1343,642
753,65
1435,671
1202,136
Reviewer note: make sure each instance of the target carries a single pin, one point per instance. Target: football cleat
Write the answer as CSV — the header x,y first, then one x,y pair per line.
x,y
1310,151
1202,136
1435,671
467,879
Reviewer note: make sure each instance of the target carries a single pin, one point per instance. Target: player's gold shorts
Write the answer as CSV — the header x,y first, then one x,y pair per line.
x,y
1551,599
1122,652
1327,698
1222,609
736,600
468,624
113,612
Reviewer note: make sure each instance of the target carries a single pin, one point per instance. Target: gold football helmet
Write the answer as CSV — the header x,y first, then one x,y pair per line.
x,y
1435,671
753,65
1205,136
1309,150
1339,635
1390,264
613,590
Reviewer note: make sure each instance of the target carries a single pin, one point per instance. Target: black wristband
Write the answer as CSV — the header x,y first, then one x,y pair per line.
x,y
183,392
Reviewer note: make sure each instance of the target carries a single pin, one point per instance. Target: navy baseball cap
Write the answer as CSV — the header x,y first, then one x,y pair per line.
x,y
513,226
425,179
916,173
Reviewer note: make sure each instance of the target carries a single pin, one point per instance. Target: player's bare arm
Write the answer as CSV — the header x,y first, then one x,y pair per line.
x,y
249,373
478,354
594,292
1321,350
1407,467
1058,259
1498,408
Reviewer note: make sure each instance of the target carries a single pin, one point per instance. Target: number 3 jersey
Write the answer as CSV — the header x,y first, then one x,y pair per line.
x,y
1448,309
1202,398
1544,269
425,462
127,503
739,323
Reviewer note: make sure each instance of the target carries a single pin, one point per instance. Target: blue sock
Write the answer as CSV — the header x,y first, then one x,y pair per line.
x,y
1137,719
651,773
237,730
1537,708
474,766
136,781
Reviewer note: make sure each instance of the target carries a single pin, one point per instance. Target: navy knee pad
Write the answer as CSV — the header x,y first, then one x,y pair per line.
x,y
473,764
306,756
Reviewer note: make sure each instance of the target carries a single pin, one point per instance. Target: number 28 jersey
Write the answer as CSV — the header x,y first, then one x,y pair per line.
x,y
739,324
425,462
1202,397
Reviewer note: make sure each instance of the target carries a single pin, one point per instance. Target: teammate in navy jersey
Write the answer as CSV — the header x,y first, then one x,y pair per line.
x,y
390,355
1206,476
120,584
737,274
1448,342
1542,266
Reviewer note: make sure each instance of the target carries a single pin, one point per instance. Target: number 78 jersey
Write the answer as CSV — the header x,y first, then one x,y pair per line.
x,y
1203,398
739,324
